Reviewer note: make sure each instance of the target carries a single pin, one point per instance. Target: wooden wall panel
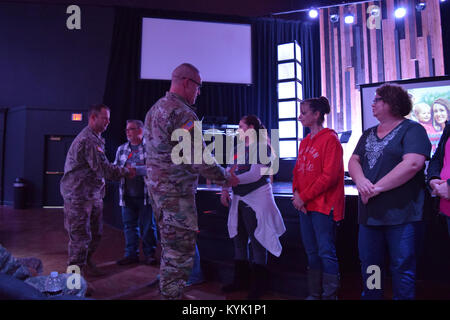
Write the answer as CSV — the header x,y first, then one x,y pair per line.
x,y
356,54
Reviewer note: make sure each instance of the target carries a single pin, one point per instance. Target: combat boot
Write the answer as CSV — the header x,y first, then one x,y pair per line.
x,y
89,286
92,270
183,296
240,278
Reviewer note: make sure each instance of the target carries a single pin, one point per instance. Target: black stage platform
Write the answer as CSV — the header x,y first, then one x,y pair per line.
x,y
287,273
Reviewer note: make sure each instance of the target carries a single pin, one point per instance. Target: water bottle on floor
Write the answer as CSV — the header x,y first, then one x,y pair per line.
x,y
53,284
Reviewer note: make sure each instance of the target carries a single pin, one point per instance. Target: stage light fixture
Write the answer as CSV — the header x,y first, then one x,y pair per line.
x,y
334,18
313,13
421,5
349,18
400,12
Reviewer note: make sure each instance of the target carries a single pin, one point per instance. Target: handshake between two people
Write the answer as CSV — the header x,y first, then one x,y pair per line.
x,y
131,173
232,181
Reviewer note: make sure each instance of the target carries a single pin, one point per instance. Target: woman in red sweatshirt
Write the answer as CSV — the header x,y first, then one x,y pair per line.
x,y
318,187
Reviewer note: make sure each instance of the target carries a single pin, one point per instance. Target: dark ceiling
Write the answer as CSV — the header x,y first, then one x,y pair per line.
x,y
248,8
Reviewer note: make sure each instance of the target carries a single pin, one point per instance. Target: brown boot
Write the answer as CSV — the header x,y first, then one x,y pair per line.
x,y
258,283
241,277
314,284
330,285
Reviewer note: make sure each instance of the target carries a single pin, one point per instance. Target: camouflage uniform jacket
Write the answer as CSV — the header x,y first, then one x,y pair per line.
x,y
87,167
163,176
12,266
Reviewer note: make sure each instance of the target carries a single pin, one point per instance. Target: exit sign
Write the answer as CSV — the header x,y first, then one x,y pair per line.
x,y
77,116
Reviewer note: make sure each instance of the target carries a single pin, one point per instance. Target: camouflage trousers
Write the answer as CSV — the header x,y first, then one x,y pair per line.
x,y
177,260
83,222
177,237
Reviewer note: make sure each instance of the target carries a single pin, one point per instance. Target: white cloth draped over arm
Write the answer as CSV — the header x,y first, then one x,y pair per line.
x,y
253,175
270,225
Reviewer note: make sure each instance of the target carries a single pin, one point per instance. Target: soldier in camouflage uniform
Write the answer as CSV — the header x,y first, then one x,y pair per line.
x,y
83,189
15,267
172,186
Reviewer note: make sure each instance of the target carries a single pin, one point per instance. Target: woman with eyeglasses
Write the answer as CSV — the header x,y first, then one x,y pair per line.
x,y
387,167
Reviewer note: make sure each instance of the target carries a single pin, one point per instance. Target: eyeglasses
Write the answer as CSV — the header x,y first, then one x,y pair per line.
x,y
131,129
199,85
375,100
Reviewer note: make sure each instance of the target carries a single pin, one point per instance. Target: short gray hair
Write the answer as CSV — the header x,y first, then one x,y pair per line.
x,y
184,70
138,123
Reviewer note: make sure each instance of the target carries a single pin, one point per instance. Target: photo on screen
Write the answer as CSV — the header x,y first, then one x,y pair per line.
x,y
431,104
431,108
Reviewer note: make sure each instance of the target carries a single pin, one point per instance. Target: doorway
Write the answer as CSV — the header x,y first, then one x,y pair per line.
x,y
56,148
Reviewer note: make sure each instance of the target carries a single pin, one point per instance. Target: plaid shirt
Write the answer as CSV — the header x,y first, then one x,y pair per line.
x,y
121,158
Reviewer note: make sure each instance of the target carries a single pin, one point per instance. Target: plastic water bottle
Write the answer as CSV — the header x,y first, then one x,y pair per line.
x,y
53,284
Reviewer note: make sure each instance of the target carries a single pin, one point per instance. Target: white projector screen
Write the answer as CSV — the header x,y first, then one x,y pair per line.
x,y
221,51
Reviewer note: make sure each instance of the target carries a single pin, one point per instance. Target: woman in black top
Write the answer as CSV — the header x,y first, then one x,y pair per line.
x,y
387,167
438,174
253,213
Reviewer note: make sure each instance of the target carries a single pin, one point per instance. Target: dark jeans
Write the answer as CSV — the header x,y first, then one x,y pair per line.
x,y
318,233
400,241
246,229
138,222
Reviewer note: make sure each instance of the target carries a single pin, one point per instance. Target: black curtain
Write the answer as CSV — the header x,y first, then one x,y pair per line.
x,y
130,97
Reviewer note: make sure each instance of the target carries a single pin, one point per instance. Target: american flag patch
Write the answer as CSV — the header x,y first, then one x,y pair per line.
x,y
188,125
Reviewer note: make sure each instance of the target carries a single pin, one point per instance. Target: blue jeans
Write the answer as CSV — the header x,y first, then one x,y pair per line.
x,y
196,274
318,233
138,222
247,224
400,241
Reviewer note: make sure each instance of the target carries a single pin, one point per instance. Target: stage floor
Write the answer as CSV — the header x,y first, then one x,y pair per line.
x,y
40,233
